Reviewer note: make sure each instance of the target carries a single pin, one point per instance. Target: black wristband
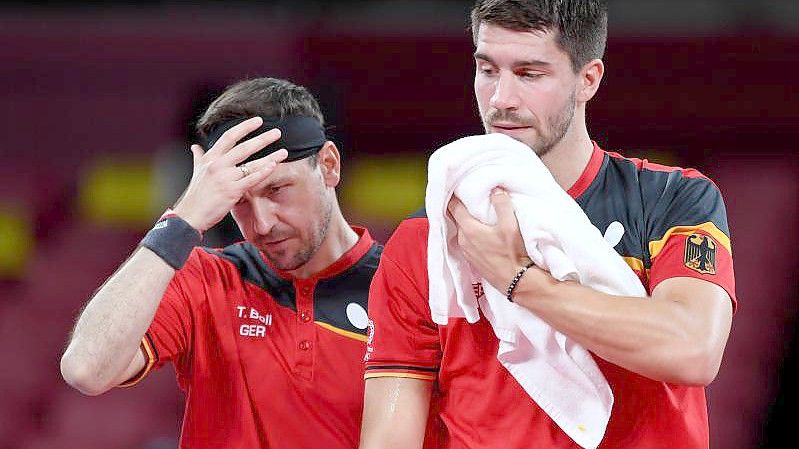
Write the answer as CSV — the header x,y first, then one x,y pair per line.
x,y
172,239
515,281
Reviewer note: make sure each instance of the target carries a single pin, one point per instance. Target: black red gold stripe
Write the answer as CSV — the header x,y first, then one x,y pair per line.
x,y
151,357
403,371
709,227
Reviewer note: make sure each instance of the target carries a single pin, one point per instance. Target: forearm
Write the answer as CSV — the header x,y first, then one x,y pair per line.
x,y
395,413
671,339
109,330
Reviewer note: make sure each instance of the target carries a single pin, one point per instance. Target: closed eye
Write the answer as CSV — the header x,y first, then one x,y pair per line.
x,y
530,75
276,189
485,67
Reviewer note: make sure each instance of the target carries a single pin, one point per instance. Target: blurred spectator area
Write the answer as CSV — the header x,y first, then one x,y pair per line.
x,y
95,104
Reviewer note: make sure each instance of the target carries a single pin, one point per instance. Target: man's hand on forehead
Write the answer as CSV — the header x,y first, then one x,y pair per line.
x,y
302,136
220,179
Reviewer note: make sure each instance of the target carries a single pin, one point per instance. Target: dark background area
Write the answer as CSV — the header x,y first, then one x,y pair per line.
x,y
94,105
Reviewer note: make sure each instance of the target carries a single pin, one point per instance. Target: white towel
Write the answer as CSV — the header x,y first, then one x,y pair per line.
x,y
558,374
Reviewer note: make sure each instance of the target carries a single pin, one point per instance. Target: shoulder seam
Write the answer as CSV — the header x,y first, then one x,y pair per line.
x,y
652,167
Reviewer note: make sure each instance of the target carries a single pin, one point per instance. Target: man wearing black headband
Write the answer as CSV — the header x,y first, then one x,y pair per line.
x,y
267,336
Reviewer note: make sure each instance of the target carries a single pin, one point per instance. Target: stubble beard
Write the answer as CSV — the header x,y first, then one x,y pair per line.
x,y
318,233
556,128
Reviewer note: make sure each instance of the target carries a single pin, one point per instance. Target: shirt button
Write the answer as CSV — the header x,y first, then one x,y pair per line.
x,y
305,290
305,317
305,345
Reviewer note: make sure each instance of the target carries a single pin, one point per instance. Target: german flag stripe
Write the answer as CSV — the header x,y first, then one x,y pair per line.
x,y
405,371
345,333
635,263
151,357
402,368
656,246
400,375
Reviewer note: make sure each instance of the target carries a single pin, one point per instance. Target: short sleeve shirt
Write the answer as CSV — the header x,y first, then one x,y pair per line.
x,y
266,360
674,224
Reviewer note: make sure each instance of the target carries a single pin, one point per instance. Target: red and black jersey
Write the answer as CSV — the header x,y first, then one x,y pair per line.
x,y
669,222
266,360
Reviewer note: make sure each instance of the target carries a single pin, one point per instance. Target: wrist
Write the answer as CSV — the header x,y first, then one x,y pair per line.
x,y
186,215
513,285
538,284
172,239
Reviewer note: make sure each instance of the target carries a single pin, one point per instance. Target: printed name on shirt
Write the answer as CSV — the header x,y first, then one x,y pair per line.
x,y
253,330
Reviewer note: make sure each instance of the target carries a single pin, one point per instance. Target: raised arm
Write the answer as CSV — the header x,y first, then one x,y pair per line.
x,y
104,348
676,336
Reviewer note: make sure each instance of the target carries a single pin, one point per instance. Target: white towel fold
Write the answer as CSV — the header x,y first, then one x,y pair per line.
x,y
558,374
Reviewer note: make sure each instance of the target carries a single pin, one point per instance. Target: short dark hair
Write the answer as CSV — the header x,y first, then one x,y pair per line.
x,y
266,97
582,25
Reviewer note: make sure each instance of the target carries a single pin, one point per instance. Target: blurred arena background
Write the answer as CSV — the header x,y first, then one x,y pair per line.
x,y
94,107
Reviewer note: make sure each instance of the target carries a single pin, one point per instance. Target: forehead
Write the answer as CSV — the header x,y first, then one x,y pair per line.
x,y
505,46
288,172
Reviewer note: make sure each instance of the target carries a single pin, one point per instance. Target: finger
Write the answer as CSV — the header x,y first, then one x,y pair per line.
x,y
457,210
251,146
260,169
454,208
196,152
230,137
462,242
503,206
270,159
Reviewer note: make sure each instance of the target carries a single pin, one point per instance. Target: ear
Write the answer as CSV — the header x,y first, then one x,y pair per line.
x,y
588,80
330,164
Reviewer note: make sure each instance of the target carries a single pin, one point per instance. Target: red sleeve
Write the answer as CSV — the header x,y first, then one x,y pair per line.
x,y
403,340
691,238
168,339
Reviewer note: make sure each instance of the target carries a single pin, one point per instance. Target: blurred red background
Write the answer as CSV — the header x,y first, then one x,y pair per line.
x,y
76,89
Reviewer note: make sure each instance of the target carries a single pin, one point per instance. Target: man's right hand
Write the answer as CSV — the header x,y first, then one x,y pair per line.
x,y
104,350
218,182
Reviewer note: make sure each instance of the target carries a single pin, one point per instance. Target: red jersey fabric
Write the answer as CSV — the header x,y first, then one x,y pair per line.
x,y
265,360
675,225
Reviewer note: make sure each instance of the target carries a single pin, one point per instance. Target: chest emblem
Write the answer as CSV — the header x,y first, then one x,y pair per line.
x,y
700,254
357,316
614,233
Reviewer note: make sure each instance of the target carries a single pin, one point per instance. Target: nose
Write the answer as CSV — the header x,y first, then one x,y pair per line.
x,y
505,94
263,215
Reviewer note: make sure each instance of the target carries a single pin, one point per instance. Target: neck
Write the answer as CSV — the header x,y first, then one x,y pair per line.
x,y
339,239
567,160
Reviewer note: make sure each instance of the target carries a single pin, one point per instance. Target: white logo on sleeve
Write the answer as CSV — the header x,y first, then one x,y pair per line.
x,y
370,336
614,233
357,315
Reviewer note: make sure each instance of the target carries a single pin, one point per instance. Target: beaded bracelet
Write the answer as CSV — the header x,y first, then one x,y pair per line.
x,y
515,281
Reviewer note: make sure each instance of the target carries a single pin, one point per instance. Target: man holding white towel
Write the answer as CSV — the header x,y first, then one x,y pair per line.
x,y
538,63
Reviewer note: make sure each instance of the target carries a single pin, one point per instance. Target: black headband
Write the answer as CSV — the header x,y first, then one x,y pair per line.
x,y
301,135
